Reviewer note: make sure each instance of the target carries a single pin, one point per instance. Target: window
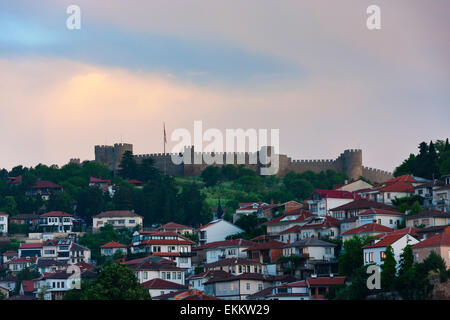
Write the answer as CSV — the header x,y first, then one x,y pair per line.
x,y
62,284
131,221
248,269
328,250
382,255
163,274
390,221
240,269
174,275
145,275
248,285
179,275
371,257
168,276
379,221
260,287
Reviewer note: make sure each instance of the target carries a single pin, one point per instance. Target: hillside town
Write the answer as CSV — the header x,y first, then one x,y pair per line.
x,y
314,249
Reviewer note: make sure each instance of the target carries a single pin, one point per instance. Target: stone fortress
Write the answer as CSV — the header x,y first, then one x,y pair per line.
x,y
348,162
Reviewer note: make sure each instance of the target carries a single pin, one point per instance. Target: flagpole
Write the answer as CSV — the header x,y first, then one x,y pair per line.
x,y
165,141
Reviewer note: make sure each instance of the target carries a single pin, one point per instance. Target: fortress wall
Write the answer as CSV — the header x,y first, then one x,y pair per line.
x,y
299,166
376,175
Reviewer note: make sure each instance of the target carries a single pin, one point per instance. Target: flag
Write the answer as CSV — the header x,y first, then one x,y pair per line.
x,y
165,138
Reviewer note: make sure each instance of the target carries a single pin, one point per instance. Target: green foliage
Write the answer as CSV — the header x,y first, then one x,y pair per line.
x,y
11,245
15,228
357,290
114,282
388,272
211,176
351,257
252,226
432,161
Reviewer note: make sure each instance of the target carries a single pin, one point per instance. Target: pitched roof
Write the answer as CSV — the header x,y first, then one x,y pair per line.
x,y
25,216
31,245
325,281
44,184
386,240
404,178
309,242
294,229
429,214
10,253
372,211
158,283
335,194
242,276
438,240
28,286
43,262
98,180
225,244
113,244
173,225
154,266
398,187
3,214
368,228
210,274
231,261
273,244
56,214
116,213
22,260
208,224
361,204
301,213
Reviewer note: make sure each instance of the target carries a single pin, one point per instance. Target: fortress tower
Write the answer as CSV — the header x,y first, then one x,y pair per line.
x,y
111,156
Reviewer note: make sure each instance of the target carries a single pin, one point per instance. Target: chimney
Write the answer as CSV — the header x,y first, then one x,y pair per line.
x,y
271,201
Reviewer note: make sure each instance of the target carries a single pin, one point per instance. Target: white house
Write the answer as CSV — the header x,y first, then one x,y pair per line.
x,y
3,223
150,269
225,249
118,219
375,253
216,230
388,218
110,248
157,287
56,221
321,201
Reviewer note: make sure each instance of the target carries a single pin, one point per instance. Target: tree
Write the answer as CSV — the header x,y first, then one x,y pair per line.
x,y
351,255
416,208
388,272
211,176
114,282
147,171
90,202
357,290
128,166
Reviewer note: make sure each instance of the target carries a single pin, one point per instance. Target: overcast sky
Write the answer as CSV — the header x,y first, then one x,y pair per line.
x,y
309,68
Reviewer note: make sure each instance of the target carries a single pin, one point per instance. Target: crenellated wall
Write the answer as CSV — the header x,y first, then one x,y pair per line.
x,y
348,162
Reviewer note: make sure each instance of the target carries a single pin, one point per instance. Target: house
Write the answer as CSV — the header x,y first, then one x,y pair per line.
x,y
44,189
79,253
237,266
197,281
110,248
439,243
30,219
354,208
428,218
8,255
170,245
189,294
46,265
58,283
4,291
216,230
14,180
3,223
18,264
165,270
56,221
136,183
426,190
237,287
58,249
215,251
375,252
9,282
267,252
287,221
441,197
388,218
28,287
30,249
348,224
321,201
320,286
320,227
118,219
317,256
176,227
104,185
158,287
370,229
354,186
260,209
297,290
291,235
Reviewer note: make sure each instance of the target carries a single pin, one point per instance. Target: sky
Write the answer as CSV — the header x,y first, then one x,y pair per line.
x,y
311,69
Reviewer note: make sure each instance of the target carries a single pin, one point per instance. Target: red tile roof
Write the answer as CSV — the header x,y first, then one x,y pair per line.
x,y
438,240
385,241
361,204
301,213
325,281
28,286
98,180
43,184
158,283
429,214
404,178
116,213
56,214
231,261
294,229
335,194
381,211
207,225
173,225
368,228
398,187
180,242
267,245
22,260
113,244
31,245
134,181
3,214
